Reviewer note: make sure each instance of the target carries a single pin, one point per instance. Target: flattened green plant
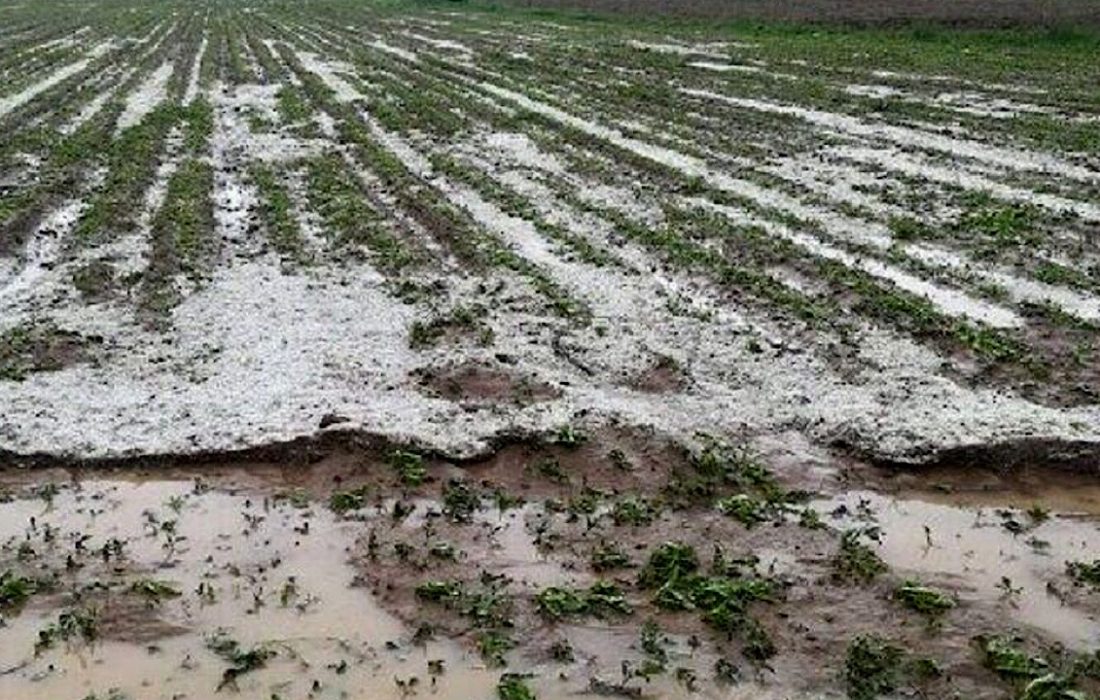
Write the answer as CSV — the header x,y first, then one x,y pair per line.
x,y
601,600
343,502
488,608
241,660
925,600
855,561
743,508
409,467
670,562
724,602
1084,573
635,510
1053,686
1006,657
154,591
872,668
80,624
15,589
513,686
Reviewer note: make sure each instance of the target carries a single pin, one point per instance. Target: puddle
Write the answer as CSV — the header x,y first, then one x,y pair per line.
x,y
270,573
1059,491
999,555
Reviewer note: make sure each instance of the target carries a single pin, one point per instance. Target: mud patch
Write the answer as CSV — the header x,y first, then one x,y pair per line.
x,y
42,347
474,382
664,375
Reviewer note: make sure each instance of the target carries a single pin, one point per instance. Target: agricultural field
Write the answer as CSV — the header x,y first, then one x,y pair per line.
x,y
384,350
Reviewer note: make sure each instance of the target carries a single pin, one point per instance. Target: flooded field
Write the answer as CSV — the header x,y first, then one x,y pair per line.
x,y
362,575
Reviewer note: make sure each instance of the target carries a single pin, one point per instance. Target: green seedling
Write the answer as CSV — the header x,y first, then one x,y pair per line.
x,y
923,599
562,652
601,600
743,508
654,643
439,591
460,501
513,686
608,557
569,436
550,468
409,467
635,511
873,667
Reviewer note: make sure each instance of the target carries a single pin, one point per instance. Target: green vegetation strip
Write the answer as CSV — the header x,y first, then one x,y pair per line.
x,y
276,210
337,195
183,239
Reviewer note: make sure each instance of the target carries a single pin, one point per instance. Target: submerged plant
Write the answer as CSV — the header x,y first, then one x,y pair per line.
x,y
856,561
513,686
1084,572
492,646
15,589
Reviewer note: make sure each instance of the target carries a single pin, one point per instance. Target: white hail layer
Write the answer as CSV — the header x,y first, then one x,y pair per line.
x,y
7,104
142,101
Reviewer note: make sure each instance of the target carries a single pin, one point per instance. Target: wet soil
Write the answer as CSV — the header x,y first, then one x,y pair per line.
x,y
41,348
319,566
473,382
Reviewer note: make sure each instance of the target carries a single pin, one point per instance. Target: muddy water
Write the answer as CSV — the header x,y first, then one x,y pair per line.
x,y
278,577
256,562
980,542
266,571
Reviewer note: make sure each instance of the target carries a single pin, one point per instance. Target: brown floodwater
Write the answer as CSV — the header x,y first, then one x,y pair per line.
x,y
985,546
275,573
266,572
